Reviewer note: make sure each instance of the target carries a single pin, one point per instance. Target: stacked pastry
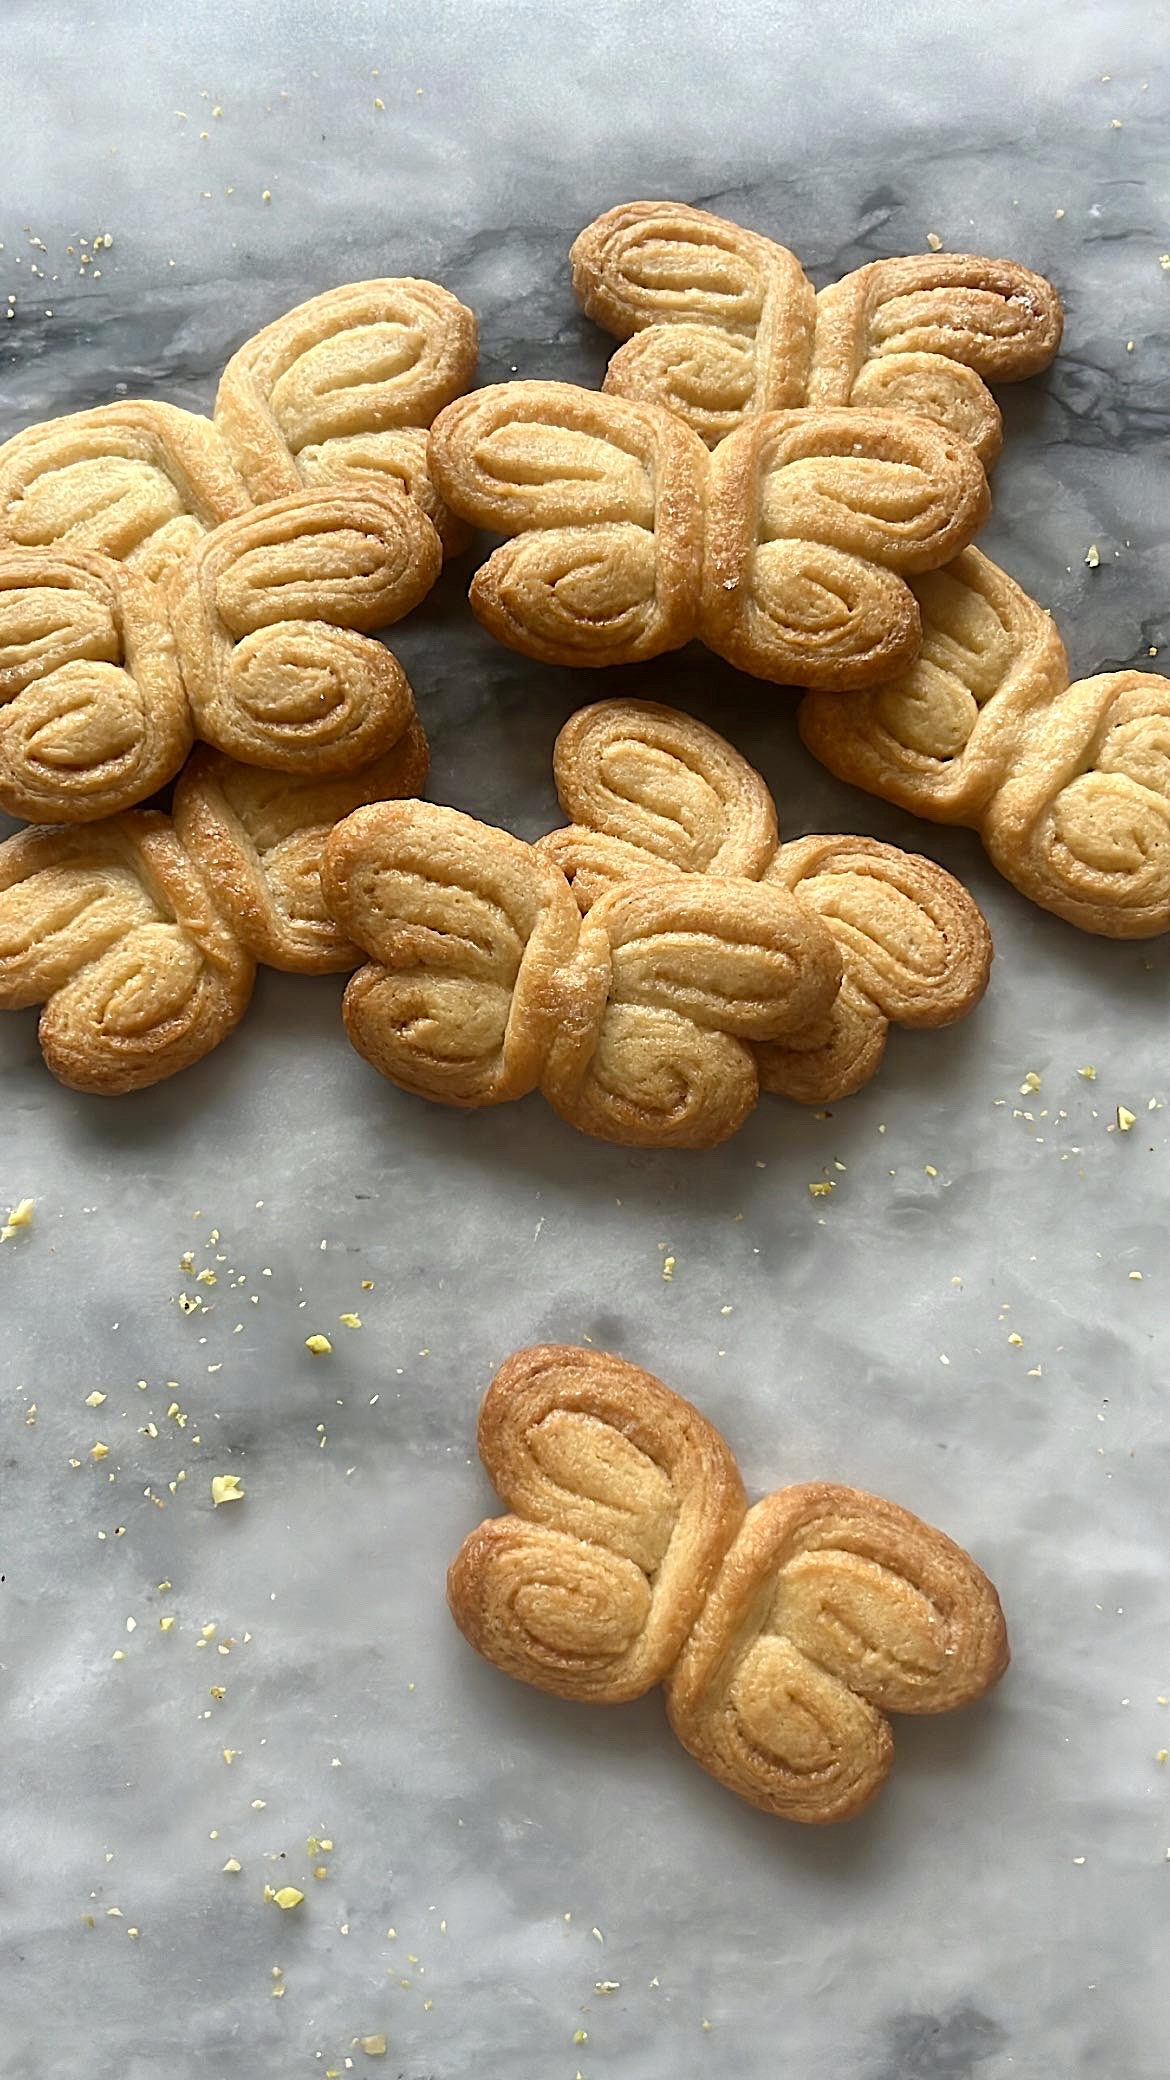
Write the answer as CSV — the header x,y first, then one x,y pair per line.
x,y
166,578
654,966
795,479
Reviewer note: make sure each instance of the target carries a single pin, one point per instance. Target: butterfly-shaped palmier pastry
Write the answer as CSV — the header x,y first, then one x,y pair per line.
x,y
720,324
345,386
139,481
94,716
1069,785
270,612
637,1021
784,1634
651,791
139,935
786,551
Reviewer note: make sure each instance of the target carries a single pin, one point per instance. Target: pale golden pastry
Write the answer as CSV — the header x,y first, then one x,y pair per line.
x,y
623,1502
259,838
721,325
93,713
916,952
1068,785
485,983
815,520
267,612
784,1634
832,1609
113,929
662,789
785,551
606,501
652,792
138,481
718,321
140,934
928,332
344,387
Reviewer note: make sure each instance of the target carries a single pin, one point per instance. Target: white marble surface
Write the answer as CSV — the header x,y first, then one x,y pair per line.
x,y
1002,1910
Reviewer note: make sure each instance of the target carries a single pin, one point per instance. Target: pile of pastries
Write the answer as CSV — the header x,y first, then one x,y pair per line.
x,y
793,479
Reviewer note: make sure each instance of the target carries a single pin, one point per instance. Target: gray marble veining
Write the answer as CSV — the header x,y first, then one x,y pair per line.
x,y
1001,1911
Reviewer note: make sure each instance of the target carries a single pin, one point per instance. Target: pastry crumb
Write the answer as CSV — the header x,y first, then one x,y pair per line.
x,y
19,1216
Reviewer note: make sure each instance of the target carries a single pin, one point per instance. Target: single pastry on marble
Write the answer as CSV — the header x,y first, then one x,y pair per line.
x,y
138,480
259,838
652,792
720,324
112,927
268,612
93,712
786,551
1069,785
485,982
345,386
783,1634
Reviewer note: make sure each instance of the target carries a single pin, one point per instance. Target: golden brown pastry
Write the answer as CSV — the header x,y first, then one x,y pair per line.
x,y
785,551
1069,786
928,332
113,929
268,610
783,1634
485,983
259,838
718,321
653,792
344,387
721,325
93,714
916,952
606,501
138,481
140,934
623,1502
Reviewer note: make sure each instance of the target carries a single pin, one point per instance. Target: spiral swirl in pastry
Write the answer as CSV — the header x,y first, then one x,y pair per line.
x,y
138,481
268,611
93,713
783,1634
1069,786
653,792
484,982
344,387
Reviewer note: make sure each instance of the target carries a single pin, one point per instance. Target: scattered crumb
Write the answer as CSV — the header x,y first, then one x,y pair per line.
x,y
667,1270
1125,1119
19,1216
319,1345
374,2047
226,1487
934,241
1093,556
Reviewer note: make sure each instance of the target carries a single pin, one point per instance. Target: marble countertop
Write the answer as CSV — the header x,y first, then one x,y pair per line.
x,y
496,1854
